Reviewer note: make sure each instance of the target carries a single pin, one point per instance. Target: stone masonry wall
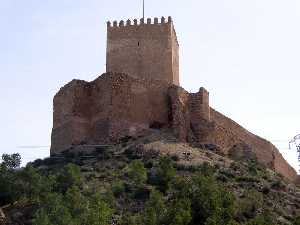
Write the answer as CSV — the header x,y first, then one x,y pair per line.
x,y
101,111
229,133
145,50
193,119
71,114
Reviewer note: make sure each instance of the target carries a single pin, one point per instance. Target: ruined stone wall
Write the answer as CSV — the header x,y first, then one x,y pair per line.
x,y
175,57
199,105
143,50
180,113
71,114
194,120
190,115
137,105
229,133
101,111
100,107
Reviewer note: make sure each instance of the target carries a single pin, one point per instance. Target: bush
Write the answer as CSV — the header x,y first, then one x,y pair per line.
x,y
297,221
54,212
137,172
249,179
73,208
261,220
155,209
278,185
206,169
165,173
68,177
249,205
100,212
118,188
211,204
179,212
26,183
32,185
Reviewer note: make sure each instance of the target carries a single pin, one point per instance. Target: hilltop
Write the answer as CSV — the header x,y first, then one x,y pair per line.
x,y
153,179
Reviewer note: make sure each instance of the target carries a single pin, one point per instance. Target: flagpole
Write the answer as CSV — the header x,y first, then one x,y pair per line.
x,y
143,9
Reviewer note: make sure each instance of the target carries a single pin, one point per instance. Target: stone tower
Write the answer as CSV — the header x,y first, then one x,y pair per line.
x,y
144,50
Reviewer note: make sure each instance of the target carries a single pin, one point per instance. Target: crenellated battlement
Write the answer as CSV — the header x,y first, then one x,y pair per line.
x,y
140,22
144,48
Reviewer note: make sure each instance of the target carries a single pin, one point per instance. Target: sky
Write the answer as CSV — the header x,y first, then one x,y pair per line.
x,y
246,53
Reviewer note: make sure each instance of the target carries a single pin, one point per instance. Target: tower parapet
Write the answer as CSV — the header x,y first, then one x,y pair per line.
x,y
142,22
143,49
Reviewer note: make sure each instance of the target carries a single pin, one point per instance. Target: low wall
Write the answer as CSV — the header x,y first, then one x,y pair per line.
x,y
228,133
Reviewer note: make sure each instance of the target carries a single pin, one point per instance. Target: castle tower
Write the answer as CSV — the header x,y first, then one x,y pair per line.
x,y
199,105
144,50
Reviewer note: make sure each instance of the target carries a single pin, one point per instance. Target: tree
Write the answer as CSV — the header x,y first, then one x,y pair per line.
x,y
211,204
70,176
137,172
99,212
53,212
77,204
179,212
41,218
165,172
155,209
33,185
8,187
12,161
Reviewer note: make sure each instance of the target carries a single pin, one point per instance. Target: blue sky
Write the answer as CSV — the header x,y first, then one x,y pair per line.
x,y
246,53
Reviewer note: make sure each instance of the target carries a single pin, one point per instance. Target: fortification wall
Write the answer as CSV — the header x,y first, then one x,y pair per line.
x,y
143,50
199,105
180,113
70,114
194,120
100,107
101,111
175,57
137,104
229,133
80,109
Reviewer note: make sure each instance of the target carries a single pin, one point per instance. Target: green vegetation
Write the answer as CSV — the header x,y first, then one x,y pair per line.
x,y
137,172
127,192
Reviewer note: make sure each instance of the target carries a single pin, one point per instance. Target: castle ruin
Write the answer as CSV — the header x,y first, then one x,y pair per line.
x,y
140,90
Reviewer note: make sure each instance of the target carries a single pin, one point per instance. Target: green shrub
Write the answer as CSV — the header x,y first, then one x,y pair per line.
x,y
248,179
137,172
297,221
210,202
165,173
278,185
128,219
261,220
249,205
53,212
155,209
68,177
206,169
99,212
118,188
179,212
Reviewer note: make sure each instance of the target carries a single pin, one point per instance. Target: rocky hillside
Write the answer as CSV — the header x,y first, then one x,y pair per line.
x,y
151,179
